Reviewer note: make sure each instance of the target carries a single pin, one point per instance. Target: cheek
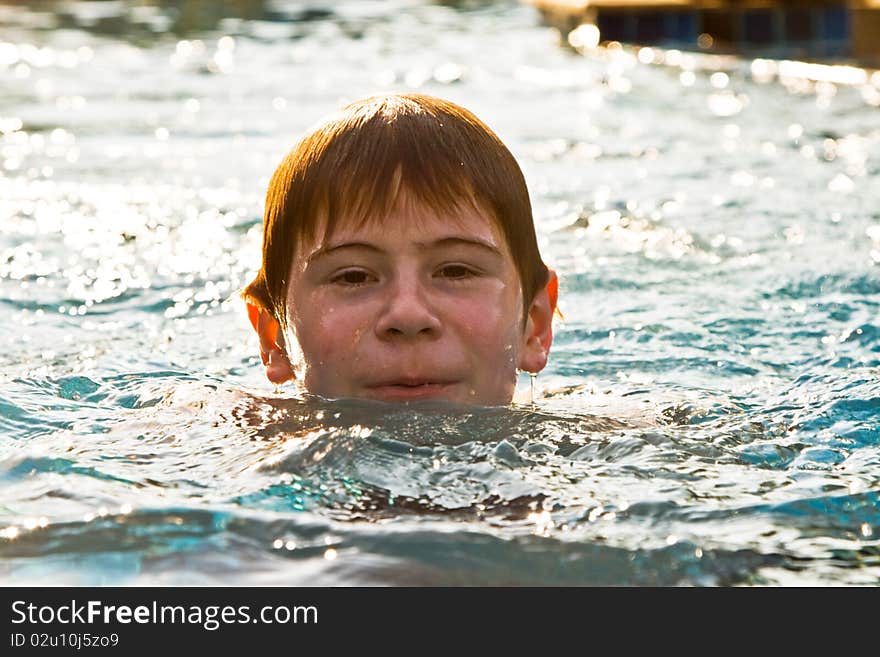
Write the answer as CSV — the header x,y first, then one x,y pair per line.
x,y
490,329
330,334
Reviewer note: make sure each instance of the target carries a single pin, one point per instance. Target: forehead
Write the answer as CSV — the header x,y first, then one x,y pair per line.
x,y
410,219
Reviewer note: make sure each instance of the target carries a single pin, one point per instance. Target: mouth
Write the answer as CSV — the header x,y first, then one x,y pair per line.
x,y
409,389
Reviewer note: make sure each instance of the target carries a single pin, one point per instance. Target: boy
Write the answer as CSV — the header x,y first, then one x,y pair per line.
x,y
400,260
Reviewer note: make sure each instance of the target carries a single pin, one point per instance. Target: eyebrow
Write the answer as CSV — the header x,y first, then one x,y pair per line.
x,y
424,246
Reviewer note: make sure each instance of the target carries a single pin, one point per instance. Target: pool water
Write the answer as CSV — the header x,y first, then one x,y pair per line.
x,y
710,412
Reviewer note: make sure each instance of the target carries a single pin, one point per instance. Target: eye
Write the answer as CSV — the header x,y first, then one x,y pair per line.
x,y
351,278
456,272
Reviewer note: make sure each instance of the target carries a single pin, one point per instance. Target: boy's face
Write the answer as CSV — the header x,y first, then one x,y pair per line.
x,y
415,306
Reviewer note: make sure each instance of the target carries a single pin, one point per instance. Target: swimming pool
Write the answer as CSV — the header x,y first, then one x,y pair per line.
x,y
710,412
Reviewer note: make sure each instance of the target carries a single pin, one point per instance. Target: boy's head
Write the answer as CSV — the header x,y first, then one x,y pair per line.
x,y
400,259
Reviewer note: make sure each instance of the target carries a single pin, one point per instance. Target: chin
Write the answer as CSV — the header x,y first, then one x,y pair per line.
x,y
452,393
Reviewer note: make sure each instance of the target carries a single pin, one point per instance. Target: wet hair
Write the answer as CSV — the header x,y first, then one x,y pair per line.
x,y
355,165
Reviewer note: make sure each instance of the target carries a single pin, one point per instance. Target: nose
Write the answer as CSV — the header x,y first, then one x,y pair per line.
x,y
408,312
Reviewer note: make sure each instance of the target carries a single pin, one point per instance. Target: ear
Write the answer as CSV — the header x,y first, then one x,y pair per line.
x,y
538,332
272,351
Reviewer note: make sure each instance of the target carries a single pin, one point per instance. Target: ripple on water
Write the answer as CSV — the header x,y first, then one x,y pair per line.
x,y
865,285
208,547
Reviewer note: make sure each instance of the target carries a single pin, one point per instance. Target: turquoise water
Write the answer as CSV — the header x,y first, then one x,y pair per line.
x,y
710,412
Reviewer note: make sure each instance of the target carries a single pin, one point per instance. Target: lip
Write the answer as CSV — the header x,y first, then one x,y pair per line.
x,y
409,389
